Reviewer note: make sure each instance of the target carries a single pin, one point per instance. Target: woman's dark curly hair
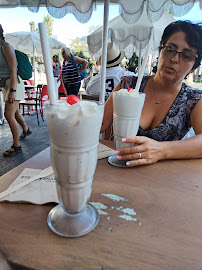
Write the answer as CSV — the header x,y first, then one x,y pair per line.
x,y
1,33
194,36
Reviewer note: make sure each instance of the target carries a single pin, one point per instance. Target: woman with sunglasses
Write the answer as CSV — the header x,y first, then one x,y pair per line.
x,y
171,107
71,71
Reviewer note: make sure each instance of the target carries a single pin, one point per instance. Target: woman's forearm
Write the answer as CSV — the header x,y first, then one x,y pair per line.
x,y
13,80
188,148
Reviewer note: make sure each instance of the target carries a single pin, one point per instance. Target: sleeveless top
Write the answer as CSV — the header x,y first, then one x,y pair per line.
x,y
4,68
176,123
70,76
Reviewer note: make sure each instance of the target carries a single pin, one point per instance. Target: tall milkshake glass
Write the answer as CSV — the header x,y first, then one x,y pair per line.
x,y
127,108
74,137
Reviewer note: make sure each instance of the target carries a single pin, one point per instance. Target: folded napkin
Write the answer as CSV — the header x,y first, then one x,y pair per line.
x,y
38,186
104,151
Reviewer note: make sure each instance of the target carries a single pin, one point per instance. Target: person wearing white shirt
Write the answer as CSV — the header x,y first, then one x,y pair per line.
x,y
114,72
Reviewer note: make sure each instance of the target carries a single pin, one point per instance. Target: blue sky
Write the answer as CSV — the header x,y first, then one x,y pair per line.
x,y
68,28
194,15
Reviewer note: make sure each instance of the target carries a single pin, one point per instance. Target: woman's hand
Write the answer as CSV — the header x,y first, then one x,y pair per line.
x,y
59,78
11,97
145,151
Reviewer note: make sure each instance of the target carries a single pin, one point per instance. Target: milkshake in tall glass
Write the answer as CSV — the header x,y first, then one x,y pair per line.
x,y
74,136
127,108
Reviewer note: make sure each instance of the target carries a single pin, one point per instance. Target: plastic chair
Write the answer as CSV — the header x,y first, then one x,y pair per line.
x,y
44,98
33,100
31,81
62,91
28,89
27,83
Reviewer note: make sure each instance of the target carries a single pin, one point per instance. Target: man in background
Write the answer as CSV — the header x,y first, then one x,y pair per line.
x,y
114,72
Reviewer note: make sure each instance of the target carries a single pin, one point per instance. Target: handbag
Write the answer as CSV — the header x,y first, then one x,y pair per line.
x,y
2,81
78,67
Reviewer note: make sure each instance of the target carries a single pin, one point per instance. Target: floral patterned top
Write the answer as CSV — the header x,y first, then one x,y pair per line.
x,y
177,122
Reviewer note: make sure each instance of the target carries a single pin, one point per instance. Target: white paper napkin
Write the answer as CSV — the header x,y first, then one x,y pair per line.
x,y
38,186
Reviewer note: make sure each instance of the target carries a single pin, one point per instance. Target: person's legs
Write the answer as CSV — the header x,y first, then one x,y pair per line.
x,y
10,110
14,117
73,90
20,119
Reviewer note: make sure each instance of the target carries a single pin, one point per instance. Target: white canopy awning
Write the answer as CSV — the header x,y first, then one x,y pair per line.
x,y
27,41
130,10
136,35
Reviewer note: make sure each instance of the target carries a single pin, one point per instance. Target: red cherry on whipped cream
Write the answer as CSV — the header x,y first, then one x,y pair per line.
x,y
130,89
72,99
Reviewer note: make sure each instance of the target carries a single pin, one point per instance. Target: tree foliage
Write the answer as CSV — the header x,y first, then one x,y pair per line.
x,y
82,55
132,62
48,20
33,26
80,44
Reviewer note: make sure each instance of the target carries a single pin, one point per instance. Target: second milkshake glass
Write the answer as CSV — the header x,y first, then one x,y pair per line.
x,y
74,137
127,110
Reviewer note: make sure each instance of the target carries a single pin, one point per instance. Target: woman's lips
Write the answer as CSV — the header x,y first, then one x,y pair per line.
x,y
170,69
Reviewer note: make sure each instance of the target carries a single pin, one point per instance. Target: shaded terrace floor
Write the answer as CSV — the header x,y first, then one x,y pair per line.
x,y
32,145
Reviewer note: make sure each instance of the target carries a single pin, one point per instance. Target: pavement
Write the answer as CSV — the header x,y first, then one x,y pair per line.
x,y
31,145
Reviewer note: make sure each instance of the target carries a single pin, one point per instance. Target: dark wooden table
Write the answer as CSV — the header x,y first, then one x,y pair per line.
x,y
167,235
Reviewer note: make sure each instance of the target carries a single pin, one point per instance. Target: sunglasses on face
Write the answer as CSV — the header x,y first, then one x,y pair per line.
x,y
185,57
63,52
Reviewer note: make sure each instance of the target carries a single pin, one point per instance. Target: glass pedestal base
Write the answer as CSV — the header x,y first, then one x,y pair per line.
x,y
113,160
72,225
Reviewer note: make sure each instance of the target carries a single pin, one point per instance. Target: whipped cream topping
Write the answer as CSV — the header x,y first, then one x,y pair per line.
x,y
82,108
131,92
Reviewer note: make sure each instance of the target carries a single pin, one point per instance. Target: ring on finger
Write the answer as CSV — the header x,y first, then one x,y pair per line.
x,y
140,155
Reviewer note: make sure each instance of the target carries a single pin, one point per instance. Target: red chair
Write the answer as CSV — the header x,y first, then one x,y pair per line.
x,y
31,81
44,98
62,91
27,83
29,91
